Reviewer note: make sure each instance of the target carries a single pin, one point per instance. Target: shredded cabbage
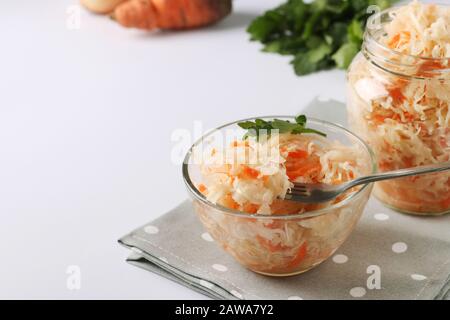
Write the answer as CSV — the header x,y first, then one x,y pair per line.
x,y
235,179
420,30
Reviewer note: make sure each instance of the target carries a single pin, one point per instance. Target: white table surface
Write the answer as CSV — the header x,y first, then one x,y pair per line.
x,y
86,118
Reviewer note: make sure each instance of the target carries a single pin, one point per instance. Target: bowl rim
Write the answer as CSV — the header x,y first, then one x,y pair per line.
x,y
314,213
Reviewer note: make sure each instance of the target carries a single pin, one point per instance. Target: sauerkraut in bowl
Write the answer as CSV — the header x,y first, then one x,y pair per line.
x,y
238,183
399,102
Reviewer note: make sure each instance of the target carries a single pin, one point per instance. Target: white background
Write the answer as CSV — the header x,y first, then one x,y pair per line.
x,y
86,118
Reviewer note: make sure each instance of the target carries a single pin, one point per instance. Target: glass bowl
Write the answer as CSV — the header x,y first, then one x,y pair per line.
x,y
313,236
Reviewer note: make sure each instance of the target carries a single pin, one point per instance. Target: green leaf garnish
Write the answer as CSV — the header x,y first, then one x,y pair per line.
x,y
260,126
321,34
344,56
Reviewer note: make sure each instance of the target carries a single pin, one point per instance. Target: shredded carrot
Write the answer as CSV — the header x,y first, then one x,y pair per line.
x,y
280,207
240,143
402,37
251,208
301,165
409,117
202,188
292,162
275,224
396,95
269,245
304,170
336,181
378,119
298,154
230,203
426,69
394,41
408,162
248,173
301,254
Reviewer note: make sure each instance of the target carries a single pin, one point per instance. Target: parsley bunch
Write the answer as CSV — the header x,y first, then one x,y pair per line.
x,y
255,128
320,35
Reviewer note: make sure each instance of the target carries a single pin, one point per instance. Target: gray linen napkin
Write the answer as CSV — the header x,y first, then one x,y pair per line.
x,y
411,255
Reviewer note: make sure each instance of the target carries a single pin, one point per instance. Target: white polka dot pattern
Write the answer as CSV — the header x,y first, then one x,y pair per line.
x,y
358,292
207,237
151,229
381,217
418,277
399,247
219,267
340,258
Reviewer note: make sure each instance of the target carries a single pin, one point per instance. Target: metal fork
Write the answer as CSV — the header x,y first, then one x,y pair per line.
x,y
307,192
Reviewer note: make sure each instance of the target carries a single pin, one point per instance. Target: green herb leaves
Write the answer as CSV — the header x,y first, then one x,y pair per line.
x,y
320,35
260,126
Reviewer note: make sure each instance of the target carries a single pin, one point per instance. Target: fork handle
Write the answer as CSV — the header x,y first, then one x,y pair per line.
x,y
432,168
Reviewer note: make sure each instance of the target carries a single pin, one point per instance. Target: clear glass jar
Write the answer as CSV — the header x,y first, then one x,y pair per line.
x,y
399,104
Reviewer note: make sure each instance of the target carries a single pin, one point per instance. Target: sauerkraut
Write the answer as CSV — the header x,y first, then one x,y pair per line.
x,y
421,30
399,100
256,186
234,179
